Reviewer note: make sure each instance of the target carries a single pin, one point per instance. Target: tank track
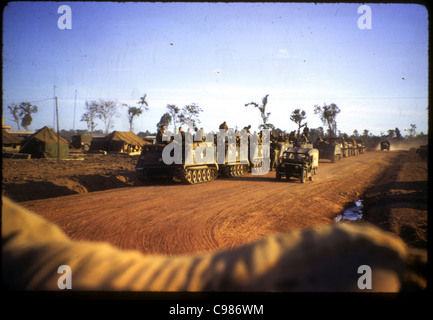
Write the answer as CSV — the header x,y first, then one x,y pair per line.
x,y
198,175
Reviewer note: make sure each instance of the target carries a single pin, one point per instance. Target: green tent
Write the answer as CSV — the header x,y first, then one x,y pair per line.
x,y
119,141
45,144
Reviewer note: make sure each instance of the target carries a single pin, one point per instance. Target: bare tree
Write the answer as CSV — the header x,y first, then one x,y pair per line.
x,y
412,130
327,115
90,115
105,111
262,108
14,111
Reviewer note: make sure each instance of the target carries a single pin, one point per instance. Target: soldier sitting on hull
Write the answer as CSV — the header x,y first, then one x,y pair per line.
x,y
303,139
292,137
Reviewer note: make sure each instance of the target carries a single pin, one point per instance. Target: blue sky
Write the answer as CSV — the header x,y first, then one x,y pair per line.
x,y
220,56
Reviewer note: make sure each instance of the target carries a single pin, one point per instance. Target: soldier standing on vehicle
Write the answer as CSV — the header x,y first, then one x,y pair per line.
x,y
224,126
306,131
280,137
161,133
182,133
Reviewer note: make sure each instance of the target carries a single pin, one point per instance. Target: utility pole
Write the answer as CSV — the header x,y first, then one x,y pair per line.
x,y
58,133
75,106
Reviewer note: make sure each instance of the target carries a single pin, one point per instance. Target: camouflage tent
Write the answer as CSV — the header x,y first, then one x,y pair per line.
x,y
45,144
119,141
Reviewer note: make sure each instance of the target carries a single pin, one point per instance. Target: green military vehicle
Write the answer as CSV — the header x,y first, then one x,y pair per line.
x,y
233,168
329,149
298,162
361,146
188,168
82,142
343,146
385,145
354,147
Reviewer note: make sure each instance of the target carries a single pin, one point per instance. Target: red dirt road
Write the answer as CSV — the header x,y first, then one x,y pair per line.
x,y
225,213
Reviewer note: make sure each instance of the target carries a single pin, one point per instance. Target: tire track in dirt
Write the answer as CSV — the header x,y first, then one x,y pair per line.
x,y
179,219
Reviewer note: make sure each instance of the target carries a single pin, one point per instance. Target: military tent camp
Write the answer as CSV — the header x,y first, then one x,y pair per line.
x,y
45,144
119,141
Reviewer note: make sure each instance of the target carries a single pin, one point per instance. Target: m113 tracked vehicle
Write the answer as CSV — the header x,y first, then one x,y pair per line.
x,y
192,168
329,149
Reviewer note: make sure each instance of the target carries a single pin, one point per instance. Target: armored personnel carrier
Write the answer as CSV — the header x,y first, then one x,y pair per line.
x,y
301,163
361,146
329,149
151,166
232,165
353,145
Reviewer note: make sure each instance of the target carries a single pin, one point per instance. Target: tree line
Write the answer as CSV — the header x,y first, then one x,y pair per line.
x,y
189,115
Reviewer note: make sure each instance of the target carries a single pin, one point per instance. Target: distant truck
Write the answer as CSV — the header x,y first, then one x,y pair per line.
x,y
298,162
385,145
81,142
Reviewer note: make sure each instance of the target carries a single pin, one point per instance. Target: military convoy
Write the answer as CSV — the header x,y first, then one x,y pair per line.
x,y
195,166
201,164
337,148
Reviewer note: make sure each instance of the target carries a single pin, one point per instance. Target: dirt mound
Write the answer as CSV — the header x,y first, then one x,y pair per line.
x,y
33,179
